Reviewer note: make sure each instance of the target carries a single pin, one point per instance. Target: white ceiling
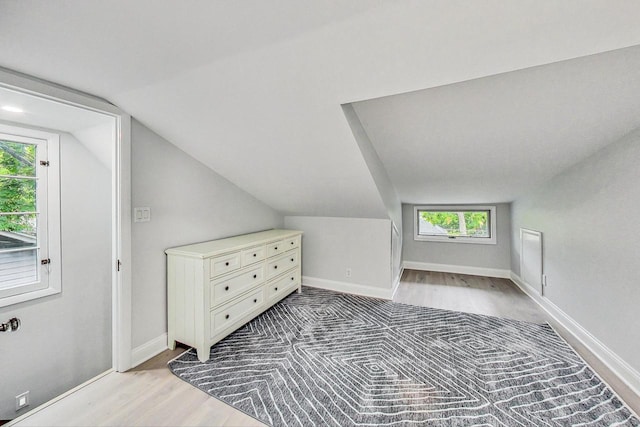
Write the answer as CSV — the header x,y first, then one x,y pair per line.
x,y
48,114
253,88
496,138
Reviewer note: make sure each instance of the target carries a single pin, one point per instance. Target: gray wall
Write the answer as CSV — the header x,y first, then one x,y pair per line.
x,y
588,217
464,254
189,203
383,183
65,339
376,168
331,245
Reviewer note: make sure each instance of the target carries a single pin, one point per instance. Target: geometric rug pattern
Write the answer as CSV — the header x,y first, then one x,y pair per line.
x,y
331,359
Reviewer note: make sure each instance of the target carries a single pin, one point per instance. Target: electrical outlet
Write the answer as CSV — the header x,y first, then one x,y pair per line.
x,y
22,400
348,274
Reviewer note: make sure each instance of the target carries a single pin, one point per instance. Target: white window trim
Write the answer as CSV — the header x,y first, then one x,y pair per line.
x,y
493,217
51,247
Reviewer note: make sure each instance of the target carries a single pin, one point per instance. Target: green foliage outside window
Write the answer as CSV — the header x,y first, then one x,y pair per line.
x,y
17,192
468,224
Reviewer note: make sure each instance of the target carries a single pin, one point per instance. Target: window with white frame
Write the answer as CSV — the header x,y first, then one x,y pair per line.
x,y
459,224
29,215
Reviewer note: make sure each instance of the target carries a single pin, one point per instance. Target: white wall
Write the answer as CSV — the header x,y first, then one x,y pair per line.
x,y
99,141
588,217
460,254
65,339
396,254
189,203
331,245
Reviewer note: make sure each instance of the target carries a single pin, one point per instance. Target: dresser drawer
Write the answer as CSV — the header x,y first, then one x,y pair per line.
x,y
284,285
282,263
275,248
253,255
283,246
225,264
231,286
226,316
292,243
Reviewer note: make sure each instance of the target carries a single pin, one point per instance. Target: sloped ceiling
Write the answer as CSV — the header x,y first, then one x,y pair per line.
x,y
253,89
496,138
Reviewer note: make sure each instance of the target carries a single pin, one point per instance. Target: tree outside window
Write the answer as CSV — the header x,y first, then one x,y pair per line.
x,y
465,224
18,188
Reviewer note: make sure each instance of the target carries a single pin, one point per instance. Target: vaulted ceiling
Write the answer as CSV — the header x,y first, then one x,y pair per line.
x,y
496,138
254,88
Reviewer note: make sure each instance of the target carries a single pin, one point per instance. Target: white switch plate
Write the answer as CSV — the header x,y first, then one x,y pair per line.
x,y
141,214
22,400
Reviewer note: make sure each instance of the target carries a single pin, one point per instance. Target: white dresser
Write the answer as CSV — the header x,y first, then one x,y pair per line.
x,y
216,287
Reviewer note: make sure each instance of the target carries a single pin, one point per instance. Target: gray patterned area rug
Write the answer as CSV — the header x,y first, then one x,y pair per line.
x,y
330,359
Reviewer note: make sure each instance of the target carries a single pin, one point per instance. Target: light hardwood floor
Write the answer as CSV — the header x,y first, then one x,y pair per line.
x,y
150,395
470,294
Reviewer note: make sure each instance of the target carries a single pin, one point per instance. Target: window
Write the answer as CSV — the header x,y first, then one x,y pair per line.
x,y
29,215
458,224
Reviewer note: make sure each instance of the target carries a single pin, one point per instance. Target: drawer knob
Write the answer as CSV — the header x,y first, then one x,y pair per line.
x,y
292,243
275,266
255,300
275,289
255,276
226,317
226,288
226,263
291,259
293,278
276,248
255,255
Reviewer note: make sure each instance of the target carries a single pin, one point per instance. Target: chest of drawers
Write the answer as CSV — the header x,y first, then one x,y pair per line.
x,y
214,288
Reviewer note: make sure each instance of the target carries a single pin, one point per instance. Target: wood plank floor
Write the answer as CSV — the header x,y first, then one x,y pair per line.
x,y
469,294
150,395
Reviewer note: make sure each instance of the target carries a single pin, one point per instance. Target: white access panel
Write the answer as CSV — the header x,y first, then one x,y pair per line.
x,y
531,259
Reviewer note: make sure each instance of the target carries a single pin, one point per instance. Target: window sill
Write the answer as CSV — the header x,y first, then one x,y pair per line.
x,y
28,296
483,241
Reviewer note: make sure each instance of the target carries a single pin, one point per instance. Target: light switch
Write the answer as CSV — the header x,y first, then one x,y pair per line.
x,y
141,214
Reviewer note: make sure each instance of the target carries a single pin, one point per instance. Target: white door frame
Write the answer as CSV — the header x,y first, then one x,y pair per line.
x,y
121,199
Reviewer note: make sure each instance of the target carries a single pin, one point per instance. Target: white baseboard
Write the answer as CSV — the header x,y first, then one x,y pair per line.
x,y
349,288
619,367
149,349
458,269
58,398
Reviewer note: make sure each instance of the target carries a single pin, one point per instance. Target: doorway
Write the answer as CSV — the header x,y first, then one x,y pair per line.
x,y
70,336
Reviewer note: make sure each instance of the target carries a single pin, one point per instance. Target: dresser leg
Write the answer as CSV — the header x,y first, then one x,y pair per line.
x,y
203,353
299,289
172,344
